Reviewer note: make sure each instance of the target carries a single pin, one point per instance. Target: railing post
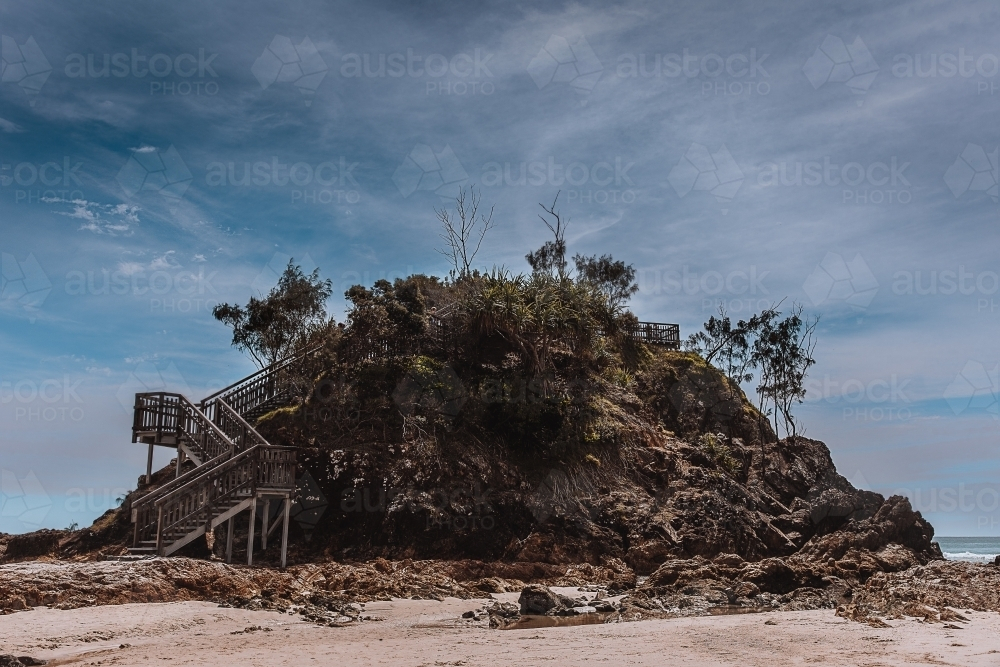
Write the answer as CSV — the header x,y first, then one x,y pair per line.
x,y
253,520
159,530
136,531
229,540
284,531
263,524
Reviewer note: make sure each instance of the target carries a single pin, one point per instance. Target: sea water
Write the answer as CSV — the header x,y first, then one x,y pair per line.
x,y
971,549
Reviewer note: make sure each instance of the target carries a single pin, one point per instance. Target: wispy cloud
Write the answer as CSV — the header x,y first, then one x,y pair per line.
x,y
9,127
110,219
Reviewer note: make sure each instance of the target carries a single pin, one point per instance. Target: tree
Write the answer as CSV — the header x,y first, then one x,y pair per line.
x,y
550,259
783,351
463,228
614,279
532,315
728,345
780,350
385,318
283,322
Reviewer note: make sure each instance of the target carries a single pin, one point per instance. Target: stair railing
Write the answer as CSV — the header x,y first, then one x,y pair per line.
x,y
165,413
196,503
256,389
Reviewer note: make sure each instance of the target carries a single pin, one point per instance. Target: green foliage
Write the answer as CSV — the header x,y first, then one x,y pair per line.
x,y
783,351
384,318
614,279
717,451
780,350
289,318
533,314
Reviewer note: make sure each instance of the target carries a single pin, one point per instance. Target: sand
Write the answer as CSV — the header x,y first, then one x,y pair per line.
x,y
430,633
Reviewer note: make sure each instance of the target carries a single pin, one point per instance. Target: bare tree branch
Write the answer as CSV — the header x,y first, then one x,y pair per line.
x,y
463,228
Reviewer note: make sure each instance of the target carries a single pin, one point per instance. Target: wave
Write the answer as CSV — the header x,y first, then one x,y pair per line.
x,y
970,557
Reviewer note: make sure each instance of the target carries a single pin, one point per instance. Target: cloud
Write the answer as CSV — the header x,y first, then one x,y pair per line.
x,y
9,127
166,261
109,219
365,252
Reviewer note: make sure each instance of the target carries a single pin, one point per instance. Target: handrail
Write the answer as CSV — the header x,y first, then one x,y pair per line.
x,y
243,422
261,466
236,458
276,366
200,469
223,467
200,418
190,474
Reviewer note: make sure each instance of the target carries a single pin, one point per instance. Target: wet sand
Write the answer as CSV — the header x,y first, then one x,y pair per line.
x,y
430,633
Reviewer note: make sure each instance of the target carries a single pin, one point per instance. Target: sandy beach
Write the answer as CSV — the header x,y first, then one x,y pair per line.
x,y
430,633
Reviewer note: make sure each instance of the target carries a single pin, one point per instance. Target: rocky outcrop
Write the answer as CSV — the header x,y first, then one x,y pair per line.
x,y
70,585
928,591
664,472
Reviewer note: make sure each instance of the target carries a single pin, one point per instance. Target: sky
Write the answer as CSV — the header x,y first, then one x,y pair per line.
x,y
157,159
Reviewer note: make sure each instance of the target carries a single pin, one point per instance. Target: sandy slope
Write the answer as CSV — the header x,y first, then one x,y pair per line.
x,y
425,632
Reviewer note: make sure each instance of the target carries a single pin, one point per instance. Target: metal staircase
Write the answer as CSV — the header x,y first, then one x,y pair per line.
x,y
235,468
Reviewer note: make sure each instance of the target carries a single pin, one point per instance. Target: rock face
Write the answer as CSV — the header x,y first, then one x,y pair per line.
x,y
82,584
927,590
661,473
664,492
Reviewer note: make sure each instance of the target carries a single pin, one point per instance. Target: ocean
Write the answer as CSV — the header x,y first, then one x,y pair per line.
x,y
972,549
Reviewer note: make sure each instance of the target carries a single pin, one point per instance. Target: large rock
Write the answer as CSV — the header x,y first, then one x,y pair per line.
x,y
538,599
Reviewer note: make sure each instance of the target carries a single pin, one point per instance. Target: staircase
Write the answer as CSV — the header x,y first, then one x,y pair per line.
x,y
235,468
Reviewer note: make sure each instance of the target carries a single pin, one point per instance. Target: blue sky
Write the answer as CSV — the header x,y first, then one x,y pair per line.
x,y
844,158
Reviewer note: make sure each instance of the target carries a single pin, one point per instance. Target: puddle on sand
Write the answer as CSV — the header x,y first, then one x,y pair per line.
x,y
531,622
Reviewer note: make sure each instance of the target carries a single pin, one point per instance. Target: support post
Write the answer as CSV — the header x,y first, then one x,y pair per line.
x,y
263,525
253,520
284,531
180,454
149,465
159,531
229,539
